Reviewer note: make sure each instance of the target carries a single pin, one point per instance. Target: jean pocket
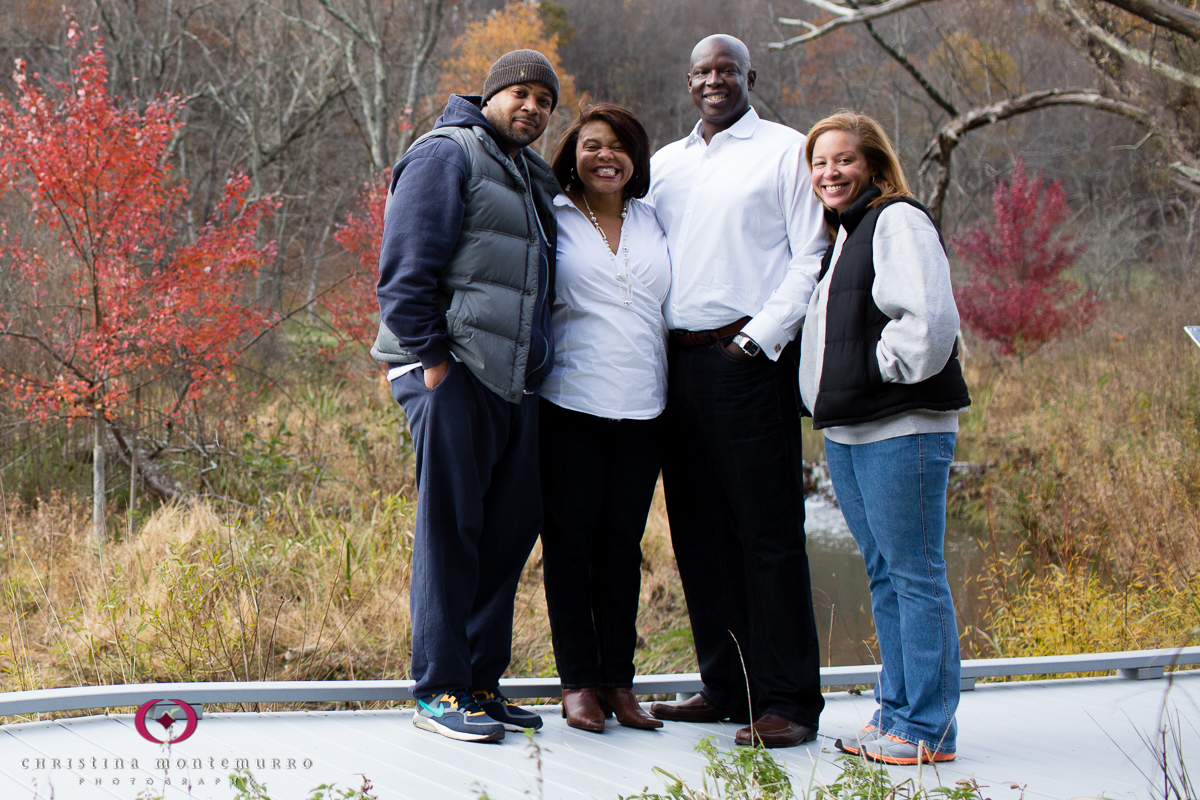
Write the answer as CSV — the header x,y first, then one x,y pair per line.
x,y
946,445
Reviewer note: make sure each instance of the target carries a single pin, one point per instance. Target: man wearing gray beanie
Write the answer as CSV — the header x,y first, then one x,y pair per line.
x,y
466,279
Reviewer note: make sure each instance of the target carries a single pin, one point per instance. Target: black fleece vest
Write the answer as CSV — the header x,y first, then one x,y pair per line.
x,y
852,389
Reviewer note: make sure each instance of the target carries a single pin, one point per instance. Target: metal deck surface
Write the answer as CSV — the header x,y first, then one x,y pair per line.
x,y
1055,739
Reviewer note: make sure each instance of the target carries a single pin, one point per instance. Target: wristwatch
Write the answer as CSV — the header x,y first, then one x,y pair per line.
x,y
748,345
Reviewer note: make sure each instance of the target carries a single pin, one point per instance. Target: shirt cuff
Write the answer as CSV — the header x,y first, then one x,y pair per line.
x,y
767,334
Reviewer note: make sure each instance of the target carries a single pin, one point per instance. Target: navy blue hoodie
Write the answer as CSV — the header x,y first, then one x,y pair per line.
x,y
420,234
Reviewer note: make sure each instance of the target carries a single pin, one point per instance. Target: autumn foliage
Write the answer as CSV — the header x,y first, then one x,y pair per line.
x,y
517,26
102,293
352,307
1017,295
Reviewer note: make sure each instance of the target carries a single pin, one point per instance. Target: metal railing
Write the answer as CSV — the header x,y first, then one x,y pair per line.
x,y
1136,665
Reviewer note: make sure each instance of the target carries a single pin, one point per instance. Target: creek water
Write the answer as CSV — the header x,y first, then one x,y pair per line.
x,y
842,598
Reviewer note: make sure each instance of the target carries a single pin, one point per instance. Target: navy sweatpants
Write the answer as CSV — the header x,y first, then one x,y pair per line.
x,y
479,511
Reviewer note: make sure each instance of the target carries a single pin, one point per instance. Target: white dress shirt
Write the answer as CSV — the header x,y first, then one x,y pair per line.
x,y
744,229
610,359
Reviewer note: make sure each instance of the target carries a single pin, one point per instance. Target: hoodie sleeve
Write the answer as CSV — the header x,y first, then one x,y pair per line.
x,y
420,232
912,286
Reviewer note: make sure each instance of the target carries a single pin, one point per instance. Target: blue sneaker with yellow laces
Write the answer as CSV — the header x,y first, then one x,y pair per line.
x,y
456,715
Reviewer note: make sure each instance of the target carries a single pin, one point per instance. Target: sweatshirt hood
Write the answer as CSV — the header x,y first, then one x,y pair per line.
x,y
464,111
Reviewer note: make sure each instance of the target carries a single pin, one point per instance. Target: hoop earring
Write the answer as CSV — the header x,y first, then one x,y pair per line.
x,y
574,175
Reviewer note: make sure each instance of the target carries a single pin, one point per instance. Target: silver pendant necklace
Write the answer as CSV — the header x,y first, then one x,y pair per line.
x,y
624,282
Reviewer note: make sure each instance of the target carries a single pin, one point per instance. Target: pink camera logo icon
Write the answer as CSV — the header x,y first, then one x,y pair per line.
x,y
157,712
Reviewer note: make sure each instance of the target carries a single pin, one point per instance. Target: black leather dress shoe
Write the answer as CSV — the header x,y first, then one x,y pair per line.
x,y
772,730
695,709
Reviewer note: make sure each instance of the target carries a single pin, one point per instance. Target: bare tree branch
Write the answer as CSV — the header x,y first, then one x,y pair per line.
x,y
941,147
373,99
1172,16
157,481
847,16
431,25
1186,177
909,67
1167,15
1103,49
372,90
1134,54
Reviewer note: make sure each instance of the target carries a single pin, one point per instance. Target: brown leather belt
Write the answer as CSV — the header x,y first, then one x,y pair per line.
x,y
704,338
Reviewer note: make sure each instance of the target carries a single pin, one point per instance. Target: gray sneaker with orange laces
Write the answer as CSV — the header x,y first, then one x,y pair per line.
x,y
854,742
889,749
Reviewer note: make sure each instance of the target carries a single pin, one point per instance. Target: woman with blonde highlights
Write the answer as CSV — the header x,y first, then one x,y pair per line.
x,y
879,372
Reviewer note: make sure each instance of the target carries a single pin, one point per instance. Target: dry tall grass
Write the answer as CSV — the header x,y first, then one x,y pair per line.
x,y
1095,444
308,580
285,594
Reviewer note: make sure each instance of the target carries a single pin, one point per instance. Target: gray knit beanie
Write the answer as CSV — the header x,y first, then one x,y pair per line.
x,y
521,66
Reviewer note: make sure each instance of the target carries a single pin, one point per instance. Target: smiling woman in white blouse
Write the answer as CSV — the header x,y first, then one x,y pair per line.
x,y
601,435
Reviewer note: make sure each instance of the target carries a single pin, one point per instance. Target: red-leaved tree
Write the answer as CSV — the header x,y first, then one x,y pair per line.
x,y
1016,294
352,306
108,311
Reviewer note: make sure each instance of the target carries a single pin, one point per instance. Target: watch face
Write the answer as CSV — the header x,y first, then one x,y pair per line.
x,y
748,345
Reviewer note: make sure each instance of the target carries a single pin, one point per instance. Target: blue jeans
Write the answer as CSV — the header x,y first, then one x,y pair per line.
x,y
893,496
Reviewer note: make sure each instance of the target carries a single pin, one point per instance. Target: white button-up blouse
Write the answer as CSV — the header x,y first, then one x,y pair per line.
x,y
610,358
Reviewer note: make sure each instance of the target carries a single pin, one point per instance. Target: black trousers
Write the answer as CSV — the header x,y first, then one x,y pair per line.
x,y
598,478
479,510
733,478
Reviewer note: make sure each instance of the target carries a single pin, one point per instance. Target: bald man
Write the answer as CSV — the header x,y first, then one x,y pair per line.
x,y
746,236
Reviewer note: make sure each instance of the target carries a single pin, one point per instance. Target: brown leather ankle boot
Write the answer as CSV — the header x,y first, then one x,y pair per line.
x,y
625,705
581,707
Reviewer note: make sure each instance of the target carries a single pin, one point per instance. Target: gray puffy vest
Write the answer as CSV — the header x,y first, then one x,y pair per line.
x,y
488,288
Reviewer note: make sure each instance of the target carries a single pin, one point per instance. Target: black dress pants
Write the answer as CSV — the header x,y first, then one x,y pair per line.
x,y
732,473
598,478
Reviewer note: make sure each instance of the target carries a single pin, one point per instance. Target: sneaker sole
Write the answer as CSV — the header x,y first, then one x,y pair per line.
x,y
909,762
857,742
509,726
845,748
432,725
535,724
